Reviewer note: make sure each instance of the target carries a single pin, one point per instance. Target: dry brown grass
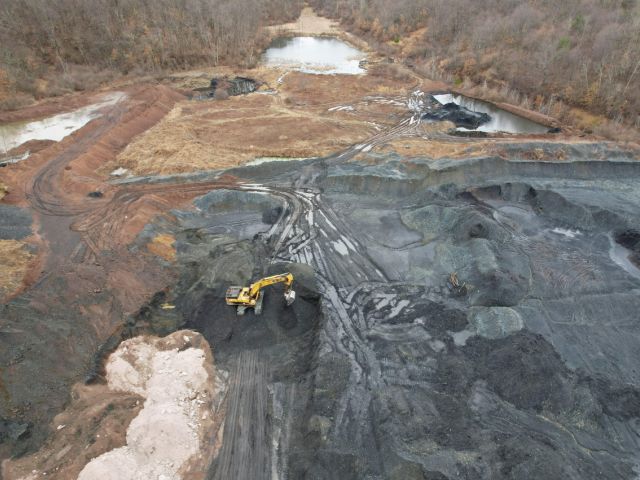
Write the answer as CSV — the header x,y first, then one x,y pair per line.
x,y
3,190
294,122
433,148
224,134
14,263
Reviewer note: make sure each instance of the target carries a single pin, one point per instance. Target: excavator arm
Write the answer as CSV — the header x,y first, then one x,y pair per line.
x,y
252,296
285,278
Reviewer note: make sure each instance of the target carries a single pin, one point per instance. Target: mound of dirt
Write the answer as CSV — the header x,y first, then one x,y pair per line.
x,y
460,116
174,435
158,416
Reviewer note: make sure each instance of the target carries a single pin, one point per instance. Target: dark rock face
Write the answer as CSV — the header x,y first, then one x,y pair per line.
x,y
11,430
379,370
241,86
630,239
461,116
227,87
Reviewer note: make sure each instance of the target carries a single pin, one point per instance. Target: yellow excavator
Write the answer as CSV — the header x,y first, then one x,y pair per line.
x,y
253,296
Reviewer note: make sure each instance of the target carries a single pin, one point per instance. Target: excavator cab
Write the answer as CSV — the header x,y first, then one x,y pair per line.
x,y
253,295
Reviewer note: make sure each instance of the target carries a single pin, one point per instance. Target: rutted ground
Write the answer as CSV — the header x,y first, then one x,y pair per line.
x,y
521,365
294,115
513,374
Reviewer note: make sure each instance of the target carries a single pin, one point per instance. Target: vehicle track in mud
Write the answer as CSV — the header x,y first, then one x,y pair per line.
x,y
401,385
85,243
99,227
44,192
245,450
74,305
385,371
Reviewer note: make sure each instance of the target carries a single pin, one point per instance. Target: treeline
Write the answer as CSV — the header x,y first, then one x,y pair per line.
x,y
50,46
582,53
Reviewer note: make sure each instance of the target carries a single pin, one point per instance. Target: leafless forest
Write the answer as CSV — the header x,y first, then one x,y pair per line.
x,y
53,46
544,54
583,53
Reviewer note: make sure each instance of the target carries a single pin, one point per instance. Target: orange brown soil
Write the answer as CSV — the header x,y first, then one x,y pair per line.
x,y
163,246
98,416
85,274
95,422
434,148
435,144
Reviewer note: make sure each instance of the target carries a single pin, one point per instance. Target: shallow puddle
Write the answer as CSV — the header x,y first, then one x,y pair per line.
x,y
501,120
314,55
53,128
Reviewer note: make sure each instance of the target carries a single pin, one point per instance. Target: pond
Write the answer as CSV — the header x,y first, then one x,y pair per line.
x,y
53,128
501,120
314,55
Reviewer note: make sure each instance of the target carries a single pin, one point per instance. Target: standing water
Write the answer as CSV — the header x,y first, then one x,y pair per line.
x,y
501,120
53,128
314,55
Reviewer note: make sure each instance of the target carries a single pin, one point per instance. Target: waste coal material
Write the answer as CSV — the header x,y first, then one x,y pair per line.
x,y
15,222
530,374
223,87
379,369
241,86
460,116
630,239
12,430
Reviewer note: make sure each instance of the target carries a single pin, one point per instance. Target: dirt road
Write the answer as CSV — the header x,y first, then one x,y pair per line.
x,y
380,369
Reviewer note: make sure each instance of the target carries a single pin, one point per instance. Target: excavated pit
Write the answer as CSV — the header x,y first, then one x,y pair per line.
x,y
380,369
466,318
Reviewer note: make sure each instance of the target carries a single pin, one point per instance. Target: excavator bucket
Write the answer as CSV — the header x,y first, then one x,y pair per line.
x,y
257,309
289,297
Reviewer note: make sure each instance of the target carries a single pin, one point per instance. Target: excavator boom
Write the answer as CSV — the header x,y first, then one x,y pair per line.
x,y
252,296
285,278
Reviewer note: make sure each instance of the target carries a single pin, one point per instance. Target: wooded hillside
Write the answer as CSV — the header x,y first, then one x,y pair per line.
x,y
52,46
583,53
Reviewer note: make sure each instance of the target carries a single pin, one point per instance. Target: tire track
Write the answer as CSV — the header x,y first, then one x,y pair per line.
x,y
246,448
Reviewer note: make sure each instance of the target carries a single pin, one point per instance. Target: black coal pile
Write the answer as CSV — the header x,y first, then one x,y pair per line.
x,y
630,239
226,87
380,369
462,117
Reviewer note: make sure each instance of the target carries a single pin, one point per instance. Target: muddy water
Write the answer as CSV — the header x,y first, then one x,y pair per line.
x,y
53,128
314,55
501,120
